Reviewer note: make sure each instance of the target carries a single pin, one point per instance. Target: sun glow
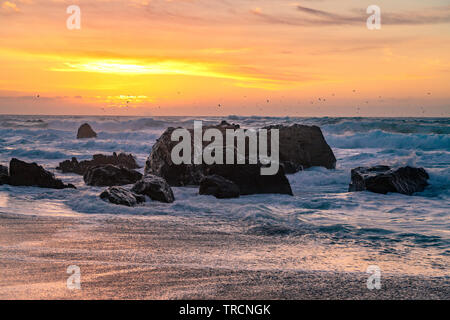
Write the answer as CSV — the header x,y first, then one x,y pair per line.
x,y
200,69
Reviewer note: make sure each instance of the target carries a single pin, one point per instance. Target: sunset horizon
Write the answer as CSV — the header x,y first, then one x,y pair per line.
x,y
277,58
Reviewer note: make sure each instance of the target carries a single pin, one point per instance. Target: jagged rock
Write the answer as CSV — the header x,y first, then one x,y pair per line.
x,y
249,179
121,159
154,187
247,176
302,147
121,196
160,162
383,179
110,175
31,174
85,131
219,187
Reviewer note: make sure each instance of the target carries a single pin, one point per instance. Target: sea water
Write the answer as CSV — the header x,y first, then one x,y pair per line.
x,y
409,233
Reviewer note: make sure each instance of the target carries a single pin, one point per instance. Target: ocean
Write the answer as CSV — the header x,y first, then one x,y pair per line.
x,y
337,230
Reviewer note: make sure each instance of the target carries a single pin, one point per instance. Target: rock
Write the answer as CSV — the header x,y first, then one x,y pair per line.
x,y
121,196
155,187
219,187
4,176
160,163
110,175
85,131
383,179
3,170
31,174
302,147
249,179
122,159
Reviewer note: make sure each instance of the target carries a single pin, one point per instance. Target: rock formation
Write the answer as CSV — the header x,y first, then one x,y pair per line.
x,y
85,131
110,175
121,196
121,159
154,187
383,179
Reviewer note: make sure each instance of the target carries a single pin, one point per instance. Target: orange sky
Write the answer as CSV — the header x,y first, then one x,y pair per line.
x,y
251,57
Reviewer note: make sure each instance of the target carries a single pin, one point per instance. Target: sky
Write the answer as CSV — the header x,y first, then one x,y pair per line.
x,y
225,57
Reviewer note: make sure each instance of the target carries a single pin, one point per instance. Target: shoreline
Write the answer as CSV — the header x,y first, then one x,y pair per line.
x,y
133,258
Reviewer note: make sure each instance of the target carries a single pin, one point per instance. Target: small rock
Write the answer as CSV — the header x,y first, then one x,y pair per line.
x,y
110,175
219,187
121,196
155,187
31,174
383,179
85,131
122,159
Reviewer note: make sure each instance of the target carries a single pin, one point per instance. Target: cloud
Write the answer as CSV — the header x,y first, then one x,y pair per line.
x,y
8,7
315,17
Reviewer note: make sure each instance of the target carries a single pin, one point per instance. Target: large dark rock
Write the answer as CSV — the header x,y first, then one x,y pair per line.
x,y
121,196
121,159
302,147
85,131
160,162
31,174
249,179
246,176
383,179
110,175
219,187
155,187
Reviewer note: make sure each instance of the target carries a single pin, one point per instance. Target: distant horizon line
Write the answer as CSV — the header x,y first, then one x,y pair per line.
x,y
218,116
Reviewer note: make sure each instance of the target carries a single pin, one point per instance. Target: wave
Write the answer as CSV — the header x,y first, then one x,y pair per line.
x,y
382,139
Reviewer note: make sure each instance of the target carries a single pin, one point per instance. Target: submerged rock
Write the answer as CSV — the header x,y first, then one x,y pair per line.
x,y
154,187
121,196
302,147
110,175
121,159
219,187
85,131
30,174
383,179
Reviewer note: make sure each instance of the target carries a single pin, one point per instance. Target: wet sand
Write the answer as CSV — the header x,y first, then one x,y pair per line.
x,y
159,258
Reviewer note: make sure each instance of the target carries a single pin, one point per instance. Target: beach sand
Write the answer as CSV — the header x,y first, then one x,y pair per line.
x,y
157,258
